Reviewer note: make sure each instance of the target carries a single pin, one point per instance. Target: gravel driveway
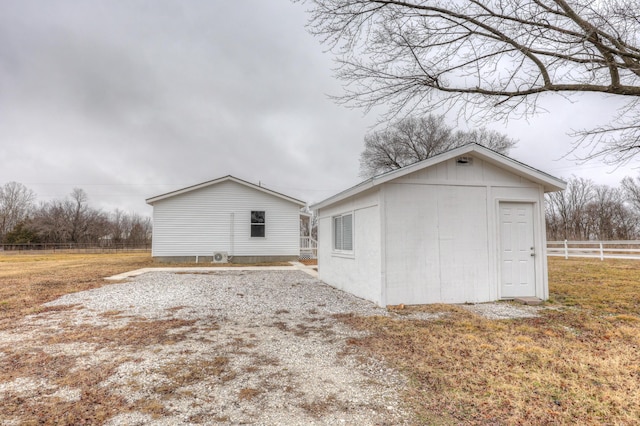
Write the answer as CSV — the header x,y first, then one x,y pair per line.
x,y
248,347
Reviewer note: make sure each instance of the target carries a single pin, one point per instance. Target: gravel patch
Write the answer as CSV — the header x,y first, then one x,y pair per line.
x,y
224,295
240,347
504,310
260,347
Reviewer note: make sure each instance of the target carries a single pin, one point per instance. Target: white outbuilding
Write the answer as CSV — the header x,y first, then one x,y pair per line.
x,y
464,226
226,219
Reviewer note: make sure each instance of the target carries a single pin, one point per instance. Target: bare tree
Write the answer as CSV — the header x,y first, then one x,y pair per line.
x,y
608,215
566,211
631,189
414,139
129,228
488,138
50,221
70,220
78,213
494,57
140,229
16,201
119,226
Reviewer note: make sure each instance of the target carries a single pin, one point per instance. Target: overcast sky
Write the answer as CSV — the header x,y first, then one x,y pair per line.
x,y
132,99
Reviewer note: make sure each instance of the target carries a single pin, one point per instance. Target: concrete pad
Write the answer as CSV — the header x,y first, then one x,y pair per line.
x,y
531,301
187,269
310,270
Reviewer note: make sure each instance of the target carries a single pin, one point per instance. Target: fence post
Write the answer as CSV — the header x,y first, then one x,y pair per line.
x,y
601,251
566,250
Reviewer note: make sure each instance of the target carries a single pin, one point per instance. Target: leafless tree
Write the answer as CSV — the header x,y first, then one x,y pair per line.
x,y
119,226
585,211
50,222
129,228
493,58
631,189
492,139
70,220
566,211
78,214
140,232
610,218
16,201
414,139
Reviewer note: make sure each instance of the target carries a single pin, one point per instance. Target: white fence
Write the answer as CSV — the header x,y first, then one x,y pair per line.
x,y
595,249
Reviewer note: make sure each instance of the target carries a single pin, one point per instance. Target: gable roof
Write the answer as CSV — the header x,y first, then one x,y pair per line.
x,y
550,183
227,178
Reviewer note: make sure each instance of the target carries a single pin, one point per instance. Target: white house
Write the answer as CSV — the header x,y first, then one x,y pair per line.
x,y
226,218
464,226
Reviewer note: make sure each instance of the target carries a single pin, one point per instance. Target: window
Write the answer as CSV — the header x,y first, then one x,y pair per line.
x,y
343,232
257,223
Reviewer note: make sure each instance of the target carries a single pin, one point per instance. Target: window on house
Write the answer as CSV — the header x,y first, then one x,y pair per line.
x,y
257,223
343,232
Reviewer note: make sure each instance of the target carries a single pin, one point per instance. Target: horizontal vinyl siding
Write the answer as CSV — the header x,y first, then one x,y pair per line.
x,y
199,223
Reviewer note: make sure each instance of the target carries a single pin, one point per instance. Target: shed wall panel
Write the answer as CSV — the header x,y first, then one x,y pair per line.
x,y
479,172
436,251
358,273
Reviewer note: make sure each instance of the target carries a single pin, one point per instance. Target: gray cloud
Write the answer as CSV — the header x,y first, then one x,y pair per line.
x,y
131,99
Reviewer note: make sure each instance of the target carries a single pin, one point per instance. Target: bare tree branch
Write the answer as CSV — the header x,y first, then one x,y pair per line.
x,y
491,58
414,139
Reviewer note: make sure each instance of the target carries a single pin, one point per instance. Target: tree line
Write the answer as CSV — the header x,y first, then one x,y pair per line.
x,y
587,211
67,220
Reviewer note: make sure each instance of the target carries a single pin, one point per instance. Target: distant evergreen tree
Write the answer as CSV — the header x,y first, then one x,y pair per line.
x,y
21,234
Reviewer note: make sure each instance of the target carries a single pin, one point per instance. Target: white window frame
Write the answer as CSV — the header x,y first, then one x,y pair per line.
x,y
337,234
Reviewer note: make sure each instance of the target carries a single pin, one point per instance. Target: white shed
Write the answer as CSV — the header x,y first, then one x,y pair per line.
x,y
464,226
226,218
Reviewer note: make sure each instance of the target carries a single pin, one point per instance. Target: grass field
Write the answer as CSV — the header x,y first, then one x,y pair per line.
x,y
27,281
578,363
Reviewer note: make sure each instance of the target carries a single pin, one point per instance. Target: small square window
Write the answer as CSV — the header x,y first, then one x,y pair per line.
x,y
343,232
257,223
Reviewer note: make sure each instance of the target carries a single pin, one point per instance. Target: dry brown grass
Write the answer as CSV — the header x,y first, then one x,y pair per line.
x,y
28,281
96,403
578,364
248,394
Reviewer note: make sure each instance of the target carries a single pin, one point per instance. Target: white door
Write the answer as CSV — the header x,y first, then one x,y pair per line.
x,y
517,250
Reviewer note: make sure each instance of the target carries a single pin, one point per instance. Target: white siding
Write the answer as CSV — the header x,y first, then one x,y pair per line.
x,y
358,273
218,217
431,236
437,244
441,233
449,172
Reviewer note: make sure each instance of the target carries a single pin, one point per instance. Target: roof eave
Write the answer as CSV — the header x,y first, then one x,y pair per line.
x,y
548,182
161,197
